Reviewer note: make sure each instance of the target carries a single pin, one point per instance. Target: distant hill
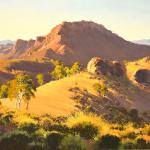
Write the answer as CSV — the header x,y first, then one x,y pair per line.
x,y
78,41
5,42
144,42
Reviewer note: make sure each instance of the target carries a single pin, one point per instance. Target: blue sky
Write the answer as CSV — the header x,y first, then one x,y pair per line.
x,y
29,18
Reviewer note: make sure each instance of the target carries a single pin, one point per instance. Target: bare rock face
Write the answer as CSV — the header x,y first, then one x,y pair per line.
x,y
142,76
30,43
118,69
21,45
99,66
39,41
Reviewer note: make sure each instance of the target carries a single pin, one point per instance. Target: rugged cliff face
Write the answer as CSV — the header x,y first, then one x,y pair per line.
x,y
80,41
20,46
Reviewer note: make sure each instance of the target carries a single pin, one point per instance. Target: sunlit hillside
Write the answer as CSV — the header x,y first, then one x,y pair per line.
x,y
55,98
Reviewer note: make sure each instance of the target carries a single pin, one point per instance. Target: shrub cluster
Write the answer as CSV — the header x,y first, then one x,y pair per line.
x,y
77,132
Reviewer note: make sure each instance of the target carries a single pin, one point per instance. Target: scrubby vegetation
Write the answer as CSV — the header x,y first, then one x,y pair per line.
x,y
62,71
40,79
76,132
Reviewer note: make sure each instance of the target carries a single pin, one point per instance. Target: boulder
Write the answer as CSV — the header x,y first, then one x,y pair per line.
x,y
142,76
101,66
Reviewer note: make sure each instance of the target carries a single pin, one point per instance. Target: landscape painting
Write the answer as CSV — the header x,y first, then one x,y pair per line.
x,y
74,74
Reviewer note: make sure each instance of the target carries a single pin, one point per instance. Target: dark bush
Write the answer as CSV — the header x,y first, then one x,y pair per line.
x,y
71,142
29,128
35,146
141,144
107,142
14,141
131,135
59,127
86,130
128,145
134,114
53,140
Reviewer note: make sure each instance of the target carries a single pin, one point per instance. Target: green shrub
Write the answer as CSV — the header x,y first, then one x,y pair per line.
x,y
100,88
4,91
86,130
128,145
14,141
107,142
6,118
40,79
60,71
59,127
35,146
29,128
141,144
53,140
71,142
131,135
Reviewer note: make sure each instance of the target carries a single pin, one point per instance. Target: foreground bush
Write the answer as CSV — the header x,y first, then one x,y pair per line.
x,y
138,144
128,145
86,130
14,141
107,142
142,144
30,128
34,146
71,142
53,140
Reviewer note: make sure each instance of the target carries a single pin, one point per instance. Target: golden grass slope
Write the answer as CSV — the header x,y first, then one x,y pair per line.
x,y
55,98
133,66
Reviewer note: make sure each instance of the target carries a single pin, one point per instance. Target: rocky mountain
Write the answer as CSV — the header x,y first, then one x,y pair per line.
x,y
78,41
144,42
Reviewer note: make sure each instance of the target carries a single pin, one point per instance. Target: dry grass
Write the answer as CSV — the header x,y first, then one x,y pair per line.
x,y
132,67
55,98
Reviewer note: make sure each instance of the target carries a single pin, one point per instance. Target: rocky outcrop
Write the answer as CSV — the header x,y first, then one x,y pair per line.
x,y
38,41
99,66
20,45
30,43
142,76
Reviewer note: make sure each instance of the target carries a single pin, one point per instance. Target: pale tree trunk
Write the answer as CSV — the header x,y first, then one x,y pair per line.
x,y
19,100
27,105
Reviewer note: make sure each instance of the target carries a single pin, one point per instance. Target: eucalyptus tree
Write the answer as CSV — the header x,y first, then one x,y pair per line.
x,y
22,88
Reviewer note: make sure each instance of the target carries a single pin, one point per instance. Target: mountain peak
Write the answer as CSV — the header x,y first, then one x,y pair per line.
x,y
80,41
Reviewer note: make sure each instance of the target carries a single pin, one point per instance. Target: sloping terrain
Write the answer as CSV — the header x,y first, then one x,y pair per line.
x,y
57,97
135,65
9,68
